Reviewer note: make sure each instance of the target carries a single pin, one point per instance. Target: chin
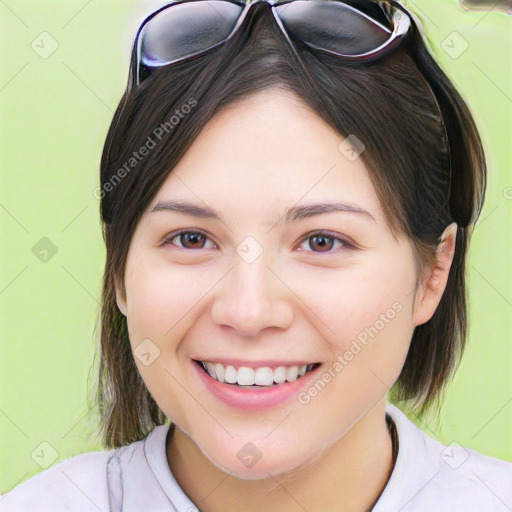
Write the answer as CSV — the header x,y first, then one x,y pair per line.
x,y
249,462
261,470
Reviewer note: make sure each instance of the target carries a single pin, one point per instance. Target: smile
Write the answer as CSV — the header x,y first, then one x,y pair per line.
x,y
255,376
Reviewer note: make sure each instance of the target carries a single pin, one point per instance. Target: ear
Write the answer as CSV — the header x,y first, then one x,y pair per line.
x,y
433,284
121,298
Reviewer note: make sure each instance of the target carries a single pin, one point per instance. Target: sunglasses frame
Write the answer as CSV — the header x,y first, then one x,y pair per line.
x,y
395,13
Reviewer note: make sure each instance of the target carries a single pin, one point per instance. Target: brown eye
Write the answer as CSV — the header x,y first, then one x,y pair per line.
x,y
188,240
192,240
323,243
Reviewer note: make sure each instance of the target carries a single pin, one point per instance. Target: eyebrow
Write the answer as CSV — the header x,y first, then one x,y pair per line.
x,y
293,214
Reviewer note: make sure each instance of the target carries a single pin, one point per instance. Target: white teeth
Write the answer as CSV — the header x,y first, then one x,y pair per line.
x,y
230,375
245,376
211,370
280,374
292,372
219,370
263,376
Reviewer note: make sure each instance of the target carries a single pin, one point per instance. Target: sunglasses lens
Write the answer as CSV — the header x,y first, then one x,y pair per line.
x,y
186,29
332,26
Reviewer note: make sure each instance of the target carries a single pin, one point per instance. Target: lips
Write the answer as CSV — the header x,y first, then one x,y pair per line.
x,y
256,397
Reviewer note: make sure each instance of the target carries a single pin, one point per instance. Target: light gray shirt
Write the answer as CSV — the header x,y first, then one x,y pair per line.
x,y
428,477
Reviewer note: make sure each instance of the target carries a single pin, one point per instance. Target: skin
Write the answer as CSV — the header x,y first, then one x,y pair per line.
x,y
296,300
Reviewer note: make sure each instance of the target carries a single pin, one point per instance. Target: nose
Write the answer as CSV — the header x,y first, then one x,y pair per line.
x,y
251,298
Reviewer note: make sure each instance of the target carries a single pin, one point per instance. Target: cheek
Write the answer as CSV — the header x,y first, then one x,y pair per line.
x,y
362,302
375,325
161,306
364,313
161,298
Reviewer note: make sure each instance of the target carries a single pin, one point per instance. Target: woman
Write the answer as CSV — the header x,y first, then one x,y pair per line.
x,y
287,195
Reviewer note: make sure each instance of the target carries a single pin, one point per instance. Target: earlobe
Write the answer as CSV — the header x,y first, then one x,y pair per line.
x,y
432,287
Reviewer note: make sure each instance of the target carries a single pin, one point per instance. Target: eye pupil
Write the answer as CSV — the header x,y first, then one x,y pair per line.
x,y
192,239
324,243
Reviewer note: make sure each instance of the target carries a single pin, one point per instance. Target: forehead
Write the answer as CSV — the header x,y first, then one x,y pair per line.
x,y
270,151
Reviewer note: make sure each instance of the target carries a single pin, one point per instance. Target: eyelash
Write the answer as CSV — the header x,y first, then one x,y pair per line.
x,y
345,244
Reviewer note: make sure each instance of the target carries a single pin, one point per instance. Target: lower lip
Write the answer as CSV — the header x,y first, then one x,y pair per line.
x,y
253,398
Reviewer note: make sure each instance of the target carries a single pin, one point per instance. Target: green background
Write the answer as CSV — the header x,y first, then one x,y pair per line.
x,y
55,112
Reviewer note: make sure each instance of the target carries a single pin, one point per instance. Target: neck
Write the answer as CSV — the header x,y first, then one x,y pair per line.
x,y
348,476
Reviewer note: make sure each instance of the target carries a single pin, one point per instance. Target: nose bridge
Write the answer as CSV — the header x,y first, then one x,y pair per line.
x,y
251,298
252,278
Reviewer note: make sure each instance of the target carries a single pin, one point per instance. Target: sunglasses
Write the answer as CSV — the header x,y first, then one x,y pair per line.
x,y
356,31
186,29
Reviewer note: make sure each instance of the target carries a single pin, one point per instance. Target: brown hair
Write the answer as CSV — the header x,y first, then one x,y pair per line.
x,y
388,105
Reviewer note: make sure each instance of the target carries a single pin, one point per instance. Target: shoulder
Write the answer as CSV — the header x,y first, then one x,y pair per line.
x,y
430,475
77,483
469,479
130,476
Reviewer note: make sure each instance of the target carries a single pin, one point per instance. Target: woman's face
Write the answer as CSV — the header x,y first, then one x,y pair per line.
x,y
267,274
